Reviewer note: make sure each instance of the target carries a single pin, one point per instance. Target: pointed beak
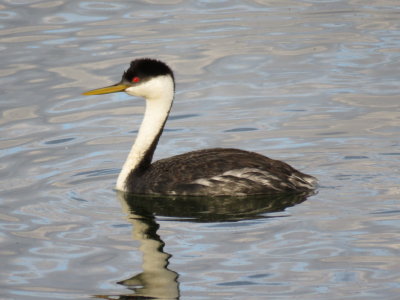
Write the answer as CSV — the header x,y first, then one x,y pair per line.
x,y
119,87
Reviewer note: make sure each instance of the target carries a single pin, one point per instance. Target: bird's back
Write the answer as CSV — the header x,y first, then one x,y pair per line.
x,y
219,171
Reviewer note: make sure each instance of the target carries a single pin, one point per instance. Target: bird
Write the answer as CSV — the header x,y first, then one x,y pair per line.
x,y
205,172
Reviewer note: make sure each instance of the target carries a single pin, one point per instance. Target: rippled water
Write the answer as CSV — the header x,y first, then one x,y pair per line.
x,y
315,83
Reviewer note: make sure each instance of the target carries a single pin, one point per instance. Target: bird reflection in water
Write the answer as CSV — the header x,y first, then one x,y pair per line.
x,y
157,281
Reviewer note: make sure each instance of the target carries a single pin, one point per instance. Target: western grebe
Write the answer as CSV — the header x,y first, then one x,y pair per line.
x,y
218,171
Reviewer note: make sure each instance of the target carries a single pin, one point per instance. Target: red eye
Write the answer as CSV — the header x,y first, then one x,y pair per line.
x,y
135,79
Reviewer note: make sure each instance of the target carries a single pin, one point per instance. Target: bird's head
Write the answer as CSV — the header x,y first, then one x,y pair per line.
x,y
146,77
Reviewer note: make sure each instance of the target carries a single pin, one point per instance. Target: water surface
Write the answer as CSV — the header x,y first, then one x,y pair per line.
x,y
314,83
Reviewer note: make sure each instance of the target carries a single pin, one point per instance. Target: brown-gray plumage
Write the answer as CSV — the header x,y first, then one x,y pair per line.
x,y
218,171
213,172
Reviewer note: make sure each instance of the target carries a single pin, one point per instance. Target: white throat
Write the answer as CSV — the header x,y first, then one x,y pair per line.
x,y
159,94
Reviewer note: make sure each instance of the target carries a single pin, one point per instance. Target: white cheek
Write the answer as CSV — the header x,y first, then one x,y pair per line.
x,y
158,87
137,91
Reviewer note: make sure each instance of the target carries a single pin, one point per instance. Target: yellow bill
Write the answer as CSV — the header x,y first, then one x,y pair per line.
x,y
107,90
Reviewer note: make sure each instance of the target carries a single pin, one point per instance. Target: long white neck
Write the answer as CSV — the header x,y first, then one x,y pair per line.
x,y
159,94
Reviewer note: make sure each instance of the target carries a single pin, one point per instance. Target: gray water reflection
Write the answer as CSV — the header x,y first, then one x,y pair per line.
x,y
213,209
158,281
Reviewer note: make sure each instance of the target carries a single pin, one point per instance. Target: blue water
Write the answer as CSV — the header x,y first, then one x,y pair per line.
x,y
314,83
